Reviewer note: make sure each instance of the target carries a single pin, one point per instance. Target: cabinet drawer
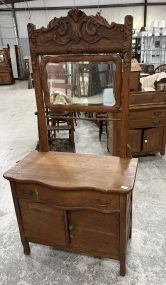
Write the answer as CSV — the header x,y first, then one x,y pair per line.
x,y
5,79
62,198
145,119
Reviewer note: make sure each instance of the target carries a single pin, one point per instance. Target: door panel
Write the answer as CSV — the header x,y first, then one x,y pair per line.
x,y
42,222
152,139
135,140
94,230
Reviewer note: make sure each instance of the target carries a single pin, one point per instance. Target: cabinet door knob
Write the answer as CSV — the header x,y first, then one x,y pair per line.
x,y
145,141
71,228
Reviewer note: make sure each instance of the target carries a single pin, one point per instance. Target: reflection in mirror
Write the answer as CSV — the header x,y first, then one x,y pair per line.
x,y
84,83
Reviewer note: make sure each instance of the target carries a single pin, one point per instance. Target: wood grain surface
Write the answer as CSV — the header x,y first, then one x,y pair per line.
x,y
67,170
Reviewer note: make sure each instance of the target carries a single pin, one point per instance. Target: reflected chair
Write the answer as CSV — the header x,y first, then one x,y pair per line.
x,y
59,122
101,122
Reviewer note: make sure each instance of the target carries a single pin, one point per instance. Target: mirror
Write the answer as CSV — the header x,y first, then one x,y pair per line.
x,y
85,81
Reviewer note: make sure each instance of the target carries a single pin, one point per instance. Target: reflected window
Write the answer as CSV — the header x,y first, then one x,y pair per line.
x,y
2,60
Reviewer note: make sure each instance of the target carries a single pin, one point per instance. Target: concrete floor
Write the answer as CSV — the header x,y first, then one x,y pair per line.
x,y
146,252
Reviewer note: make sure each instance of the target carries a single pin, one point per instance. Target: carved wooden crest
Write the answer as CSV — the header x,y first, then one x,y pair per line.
x,y
78,26
77,33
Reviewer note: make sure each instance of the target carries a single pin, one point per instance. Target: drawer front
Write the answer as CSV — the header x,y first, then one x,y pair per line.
x,y
145,119
5,79
76,198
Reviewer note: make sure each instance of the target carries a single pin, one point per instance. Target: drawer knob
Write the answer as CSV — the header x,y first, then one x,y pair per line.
x,y
157,113
145,141
156,122
101,204
37,194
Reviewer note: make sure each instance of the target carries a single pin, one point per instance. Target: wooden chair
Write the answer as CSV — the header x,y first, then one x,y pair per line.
x,y
101,120
147,68
160,68
59,122
77,202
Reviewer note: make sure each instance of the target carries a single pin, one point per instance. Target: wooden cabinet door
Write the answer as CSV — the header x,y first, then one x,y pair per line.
x,y
42,223
152,139
94,231
134,140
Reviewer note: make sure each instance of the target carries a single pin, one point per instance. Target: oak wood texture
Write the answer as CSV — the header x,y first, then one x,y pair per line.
x,y
6,74
90,214
81,35
147,124
80,203
135,81
80,171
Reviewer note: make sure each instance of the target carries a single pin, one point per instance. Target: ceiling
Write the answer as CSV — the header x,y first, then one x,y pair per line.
x,y
12,1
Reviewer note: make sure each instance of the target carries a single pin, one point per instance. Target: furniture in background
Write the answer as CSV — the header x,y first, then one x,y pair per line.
x,y
62,122
135,81
77,202
59,84
6,73
147,124
135,75
160,68
147,68
101,120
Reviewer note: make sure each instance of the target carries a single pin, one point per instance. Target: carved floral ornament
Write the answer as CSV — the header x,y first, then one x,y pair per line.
x,y
77,26
127,40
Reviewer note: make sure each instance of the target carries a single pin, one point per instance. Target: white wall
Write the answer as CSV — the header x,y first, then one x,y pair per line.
x,y
41,18
155,13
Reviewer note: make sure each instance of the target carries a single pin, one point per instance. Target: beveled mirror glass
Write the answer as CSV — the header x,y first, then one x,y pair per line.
x,y
84,81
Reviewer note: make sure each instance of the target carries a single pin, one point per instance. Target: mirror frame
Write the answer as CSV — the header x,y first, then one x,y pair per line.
x,y
81,58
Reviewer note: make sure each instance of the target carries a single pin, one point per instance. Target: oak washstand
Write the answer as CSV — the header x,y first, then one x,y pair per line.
x,y
78,202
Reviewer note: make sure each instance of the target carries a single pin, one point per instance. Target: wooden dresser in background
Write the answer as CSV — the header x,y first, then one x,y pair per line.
x,y
6,74
147,124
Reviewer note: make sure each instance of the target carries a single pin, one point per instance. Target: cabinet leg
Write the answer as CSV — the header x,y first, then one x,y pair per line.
x,y
122,267
131,214
26,248
25,245
162,152
123,229
130,232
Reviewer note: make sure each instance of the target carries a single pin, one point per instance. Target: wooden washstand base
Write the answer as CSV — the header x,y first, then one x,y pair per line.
x,y
64,201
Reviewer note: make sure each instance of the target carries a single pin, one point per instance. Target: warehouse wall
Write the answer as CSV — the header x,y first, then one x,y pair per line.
x,y
41,18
